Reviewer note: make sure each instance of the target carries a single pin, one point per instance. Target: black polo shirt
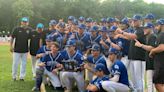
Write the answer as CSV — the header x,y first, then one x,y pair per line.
x,y
21,35
151,41
159,57
35,37
137,53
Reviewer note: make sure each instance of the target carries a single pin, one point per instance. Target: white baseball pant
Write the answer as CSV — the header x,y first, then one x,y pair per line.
x,y
16,61
149,78
111,86
137,69
54,79
68,79
33,63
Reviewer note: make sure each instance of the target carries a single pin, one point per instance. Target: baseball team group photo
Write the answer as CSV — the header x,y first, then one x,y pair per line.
x,y
82,46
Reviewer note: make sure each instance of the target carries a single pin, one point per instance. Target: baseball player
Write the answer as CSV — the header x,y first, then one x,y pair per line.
x,y
149,18
95,85
59,36
35,39
82,19
114,41
158,53
89,22
150,44
21,36
49,66
72,71
94,36
103,22
93,59
49,31
111,21
118,81
82,39
103,42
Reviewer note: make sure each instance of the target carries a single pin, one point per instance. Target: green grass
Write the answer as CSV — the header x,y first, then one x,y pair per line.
x,y
6,83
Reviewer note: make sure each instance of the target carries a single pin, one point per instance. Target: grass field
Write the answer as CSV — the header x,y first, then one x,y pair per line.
x,y
6,83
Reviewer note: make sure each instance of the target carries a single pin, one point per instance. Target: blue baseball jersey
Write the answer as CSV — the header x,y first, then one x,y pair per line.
x,y
83,42
118,41
95,39
51,61
104,50
77,57
42,49
100,59
97,82
118,68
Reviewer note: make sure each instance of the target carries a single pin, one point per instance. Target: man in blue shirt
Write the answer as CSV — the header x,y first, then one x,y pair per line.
x,y
82,38
118,81
49,66
93,59
72,67
95,85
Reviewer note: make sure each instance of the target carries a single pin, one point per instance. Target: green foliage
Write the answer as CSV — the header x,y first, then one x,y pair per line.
x,y
44,10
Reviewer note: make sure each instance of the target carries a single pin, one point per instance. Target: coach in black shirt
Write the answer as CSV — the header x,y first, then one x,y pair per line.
x,y
158,54
35,44
136,55
150,44
20,36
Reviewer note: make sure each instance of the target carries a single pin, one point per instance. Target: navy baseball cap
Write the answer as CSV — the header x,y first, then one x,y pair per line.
x,y
100,67
94,28
113,51
62,24
82,26
160,22
40,25
95,47
71,43
125,21
113,28
149,25
103,20
81,18
52,22
25,19
75,22
137,17
149,16
110,20
104,29
89,20
71,18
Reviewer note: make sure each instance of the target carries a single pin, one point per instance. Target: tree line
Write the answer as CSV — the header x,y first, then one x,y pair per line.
x,y
44,10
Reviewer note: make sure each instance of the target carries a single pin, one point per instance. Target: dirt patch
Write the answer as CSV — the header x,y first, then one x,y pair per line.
x,y
4,43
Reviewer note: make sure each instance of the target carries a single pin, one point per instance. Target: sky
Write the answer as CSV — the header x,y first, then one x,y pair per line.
x,y
148,1
155,1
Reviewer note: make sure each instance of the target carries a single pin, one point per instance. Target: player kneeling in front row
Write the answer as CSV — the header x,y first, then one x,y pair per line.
x,y
118,81
95,85
48,66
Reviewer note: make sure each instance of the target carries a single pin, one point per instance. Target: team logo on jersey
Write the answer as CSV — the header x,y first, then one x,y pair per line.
x,y
116,66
